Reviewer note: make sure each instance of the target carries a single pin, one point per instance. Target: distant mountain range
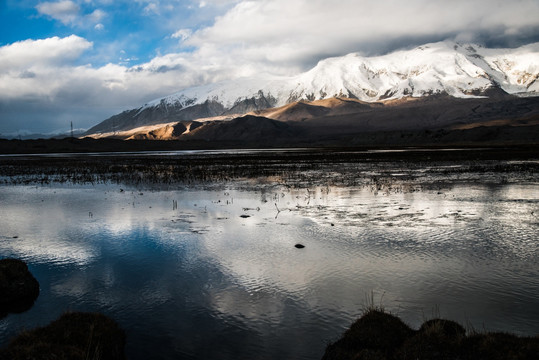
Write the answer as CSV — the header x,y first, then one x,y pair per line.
x,y
430,87
27,135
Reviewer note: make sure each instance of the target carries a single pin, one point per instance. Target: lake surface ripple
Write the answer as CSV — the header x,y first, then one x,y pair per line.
x,y
208,269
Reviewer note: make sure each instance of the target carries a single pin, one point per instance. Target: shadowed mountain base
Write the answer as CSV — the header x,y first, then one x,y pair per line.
x,y
344,122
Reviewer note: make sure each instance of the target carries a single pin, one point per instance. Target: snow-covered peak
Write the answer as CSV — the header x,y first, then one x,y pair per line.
x,y
227,92
460,70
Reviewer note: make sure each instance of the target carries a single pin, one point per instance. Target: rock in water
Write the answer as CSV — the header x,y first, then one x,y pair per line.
x,y
18,287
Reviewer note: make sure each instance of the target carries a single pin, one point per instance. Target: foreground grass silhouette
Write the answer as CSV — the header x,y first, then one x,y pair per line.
x,y
74,336
378,335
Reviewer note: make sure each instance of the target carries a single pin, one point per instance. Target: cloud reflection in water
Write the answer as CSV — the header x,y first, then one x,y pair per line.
x,y
176,277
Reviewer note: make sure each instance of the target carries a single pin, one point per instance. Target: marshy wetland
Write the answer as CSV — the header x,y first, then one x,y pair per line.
x,y
193,253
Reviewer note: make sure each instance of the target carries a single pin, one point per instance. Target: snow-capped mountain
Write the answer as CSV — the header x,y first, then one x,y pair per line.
x,y
461,71
447,67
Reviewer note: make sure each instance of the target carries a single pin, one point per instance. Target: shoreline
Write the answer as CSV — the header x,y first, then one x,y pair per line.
x,y
364,141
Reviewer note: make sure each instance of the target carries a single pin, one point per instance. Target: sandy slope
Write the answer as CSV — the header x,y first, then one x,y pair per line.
x,y
303,110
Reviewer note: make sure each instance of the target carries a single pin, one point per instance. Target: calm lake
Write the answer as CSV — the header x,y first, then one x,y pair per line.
x,y
209,270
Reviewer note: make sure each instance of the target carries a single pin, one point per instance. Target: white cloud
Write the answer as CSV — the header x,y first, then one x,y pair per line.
x,y
65,11
182,34
69,13
99,27
35,69
298,32
28,54
207,3
152,8
46,73
96,16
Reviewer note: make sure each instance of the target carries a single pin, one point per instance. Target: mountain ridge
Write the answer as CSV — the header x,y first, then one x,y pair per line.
x,y
445,68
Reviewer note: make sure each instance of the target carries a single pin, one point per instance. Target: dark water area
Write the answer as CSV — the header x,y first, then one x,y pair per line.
x,y
203,264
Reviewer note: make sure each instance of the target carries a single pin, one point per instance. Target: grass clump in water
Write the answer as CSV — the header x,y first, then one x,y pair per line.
x,y
74,336
378,335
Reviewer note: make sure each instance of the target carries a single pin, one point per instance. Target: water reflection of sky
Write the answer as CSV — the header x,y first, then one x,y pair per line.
x,y
180,279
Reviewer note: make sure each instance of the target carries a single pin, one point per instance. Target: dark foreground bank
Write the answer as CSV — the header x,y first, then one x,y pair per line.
x,y
74,336
378,335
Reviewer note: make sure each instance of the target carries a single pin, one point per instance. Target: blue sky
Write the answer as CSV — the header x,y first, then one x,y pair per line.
x,y
123,31
85,60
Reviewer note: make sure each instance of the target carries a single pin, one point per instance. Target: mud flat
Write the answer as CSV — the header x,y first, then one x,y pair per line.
x,y
295,167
